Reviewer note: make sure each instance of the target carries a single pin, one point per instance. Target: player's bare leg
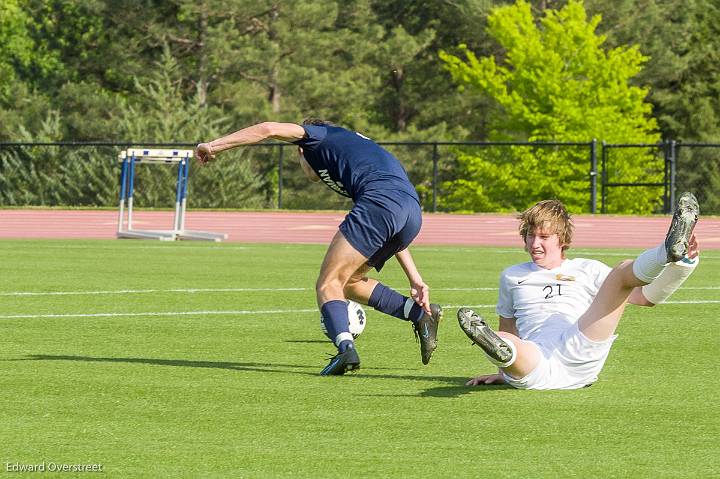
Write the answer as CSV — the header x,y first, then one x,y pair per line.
x,y
527,356
359,287
341,261
601,319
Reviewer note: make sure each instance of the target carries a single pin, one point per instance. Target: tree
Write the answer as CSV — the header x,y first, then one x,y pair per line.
x,y
15,43
17,102
555,82
414,102
682,38
69,47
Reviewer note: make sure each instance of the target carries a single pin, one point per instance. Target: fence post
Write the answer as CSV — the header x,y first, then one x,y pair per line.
x,y
435,177
673,144
666,175
280,177
603,194
593,176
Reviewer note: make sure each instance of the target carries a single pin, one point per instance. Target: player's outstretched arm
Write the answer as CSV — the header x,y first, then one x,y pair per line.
x,y
248,136
486,379
419,291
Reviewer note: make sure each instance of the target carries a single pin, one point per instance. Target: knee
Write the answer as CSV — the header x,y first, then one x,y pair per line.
x,y
622,269
508,336
349,289
323,286
624,274
353,284
626,263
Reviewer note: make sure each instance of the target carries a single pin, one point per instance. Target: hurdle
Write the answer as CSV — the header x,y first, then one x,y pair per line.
x,y
128,159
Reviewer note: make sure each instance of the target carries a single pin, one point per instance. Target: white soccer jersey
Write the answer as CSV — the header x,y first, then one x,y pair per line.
x,y
542,300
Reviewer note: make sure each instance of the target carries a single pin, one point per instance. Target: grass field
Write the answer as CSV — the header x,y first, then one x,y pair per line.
x,y
201,360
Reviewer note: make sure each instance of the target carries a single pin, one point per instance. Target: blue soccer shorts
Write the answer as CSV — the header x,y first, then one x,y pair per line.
x,y
381,224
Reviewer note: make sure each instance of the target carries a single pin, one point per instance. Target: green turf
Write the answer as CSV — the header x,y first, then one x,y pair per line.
x,y
207,394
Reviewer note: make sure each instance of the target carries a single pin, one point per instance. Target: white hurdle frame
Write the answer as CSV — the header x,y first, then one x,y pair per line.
x,y
182,158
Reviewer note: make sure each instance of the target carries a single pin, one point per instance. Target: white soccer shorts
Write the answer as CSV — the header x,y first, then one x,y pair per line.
x,y
568,360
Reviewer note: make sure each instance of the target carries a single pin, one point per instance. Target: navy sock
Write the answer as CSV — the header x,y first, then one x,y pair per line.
x,y
345,345
335,318
416,312
391,302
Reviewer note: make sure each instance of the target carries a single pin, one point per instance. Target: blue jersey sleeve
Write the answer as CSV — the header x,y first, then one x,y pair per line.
x,y
314,135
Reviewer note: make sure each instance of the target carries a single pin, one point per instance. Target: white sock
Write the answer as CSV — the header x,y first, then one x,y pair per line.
x,y
650,264
343,337
670,280
408,307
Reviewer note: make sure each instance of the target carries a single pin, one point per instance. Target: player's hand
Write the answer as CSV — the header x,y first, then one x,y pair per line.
x,y
693,248
486,379
204,153
420,293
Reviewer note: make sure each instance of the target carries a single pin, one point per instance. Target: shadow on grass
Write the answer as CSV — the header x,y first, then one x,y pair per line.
x,y
455,388
185,363
457,391
252,367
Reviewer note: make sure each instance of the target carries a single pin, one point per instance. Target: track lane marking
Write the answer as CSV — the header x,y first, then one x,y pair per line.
x,y
243,290
244,312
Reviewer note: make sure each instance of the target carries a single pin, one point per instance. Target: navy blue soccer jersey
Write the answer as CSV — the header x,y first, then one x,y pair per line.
x,y
351,164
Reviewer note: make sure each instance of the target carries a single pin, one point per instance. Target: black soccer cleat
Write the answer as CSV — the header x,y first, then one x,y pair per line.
x,y
683,222
481,334
426,331
342,363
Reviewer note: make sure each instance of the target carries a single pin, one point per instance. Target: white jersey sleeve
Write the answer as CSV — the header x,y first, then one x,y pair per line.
x,y
505,306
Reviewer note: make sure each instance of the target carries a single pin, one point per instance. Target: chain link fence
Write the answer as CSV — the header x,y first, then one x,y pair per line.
x,y
697,169
449,176
649,183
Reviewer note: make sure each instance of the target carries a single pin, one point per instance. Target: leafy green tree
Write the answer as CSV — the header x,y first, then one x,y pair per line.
x,y
15,43
70,46
98,70
554,83
415,102
161,110
18,103
682,39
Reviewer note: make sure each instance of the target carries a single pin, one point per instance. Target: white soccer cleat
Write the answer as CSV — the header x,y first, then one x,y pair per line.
x,y
496,348
683,222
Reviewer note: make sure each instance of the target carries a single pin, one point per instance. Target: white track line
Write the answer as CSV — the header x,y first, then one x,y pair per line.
x,y
691,301
243,290
245,312
146,291
187,290
156,313
167,246
574,253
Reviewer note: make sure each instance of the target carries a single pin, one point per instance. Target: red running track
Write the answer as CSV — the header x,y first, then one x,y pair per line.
x,y
285,227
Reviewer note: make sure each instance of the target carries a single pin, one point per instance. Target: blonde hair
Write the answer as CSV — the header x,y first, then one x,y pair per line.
x,y
549,216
